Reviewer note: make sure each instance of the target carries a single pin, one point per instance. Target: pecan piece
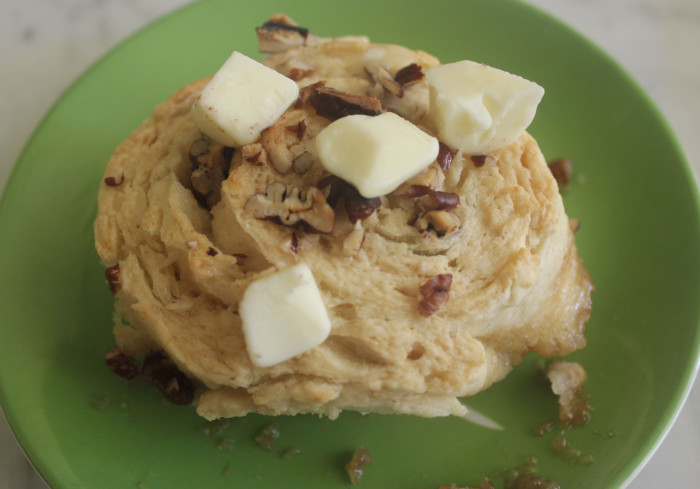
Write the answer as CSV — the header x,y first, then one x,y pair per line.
x,y
434,199
561,170
334,104
121,364
568,379
168,379
434,293
254,154
409,74
441,221
209,168
291,206
358,207
480,160
355,467
382,76
114,181
299,129
281,157
280,34
445,156
112,274
305,93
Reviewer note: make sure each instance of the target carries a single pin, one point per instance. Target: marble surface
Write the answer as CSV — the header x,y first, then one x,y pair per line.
x,y
46,44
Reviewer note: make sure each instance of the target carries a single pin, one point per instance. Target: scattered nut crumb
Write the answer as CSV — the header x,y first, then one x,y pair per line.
x,y
561,170
292,452
574,224
355,468
567,380
268,436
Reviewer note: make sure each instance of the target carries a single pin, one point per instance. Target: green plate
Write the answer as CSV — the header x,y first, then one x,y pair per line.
x,y
633,192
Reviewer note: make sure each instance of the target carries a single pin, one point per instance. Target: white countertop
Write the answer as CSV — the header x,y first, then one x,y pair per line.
x,y
46,44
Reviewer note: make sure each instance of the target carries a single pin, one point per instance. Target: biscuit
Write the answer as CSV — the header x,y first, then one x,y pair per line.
x,y
185,246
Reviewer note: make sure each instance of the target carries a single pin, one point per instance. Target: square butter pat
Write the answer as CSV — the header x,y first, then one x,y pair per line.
x,y
242,98
376,154
283,315
477,108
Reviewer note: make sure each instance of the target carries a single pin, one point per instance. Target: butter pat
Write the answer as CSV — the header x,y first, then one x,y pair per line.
x,y
242,98
477,108
376,154
283,316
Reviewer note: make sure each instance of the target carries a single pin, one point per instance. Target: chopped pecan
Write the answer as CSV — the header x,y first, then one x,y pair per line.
x,y
334,104
480,160
382,76
434,199
293,205
275,36
272,140
532,481
254,154
112,273
359,207
356,466
561,170
114,181
297,73
445,156
209,167
168,379
121,364
434,293
440,221
299,129
305,92
408,74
